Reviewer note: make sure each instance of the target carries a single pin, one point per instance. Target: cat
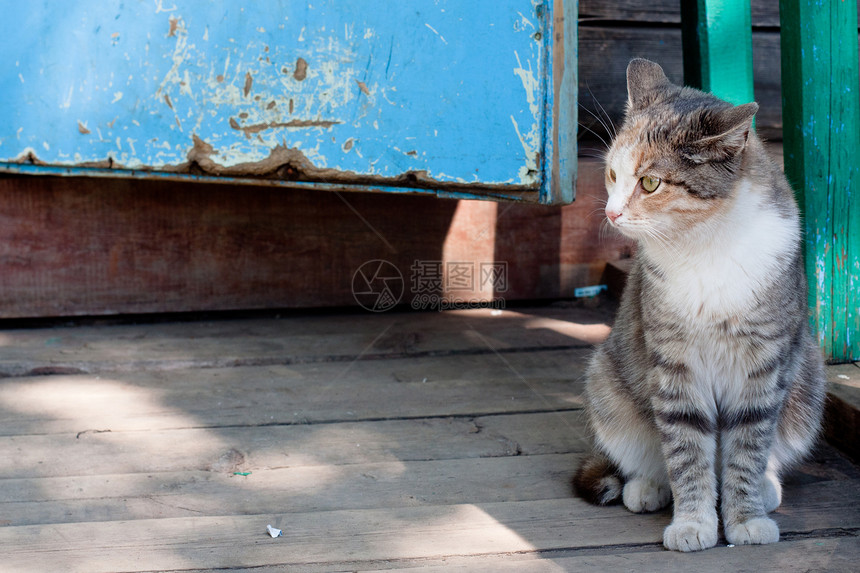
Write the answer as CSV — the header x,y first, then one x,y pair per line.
x,y
710,385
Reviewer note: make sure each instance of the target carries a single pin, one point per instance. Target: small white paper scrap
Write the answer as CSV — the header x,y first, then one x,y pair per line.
x,y
274,532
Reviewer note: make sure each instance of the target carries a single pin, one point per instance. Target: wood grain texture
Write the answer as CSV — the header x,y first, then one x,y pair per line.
x,y
74,247
256,393
295,341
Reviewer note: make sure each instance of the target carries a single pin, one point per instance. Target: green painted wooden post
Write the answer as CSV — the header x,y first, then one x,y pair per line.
x,y
717,43
822,160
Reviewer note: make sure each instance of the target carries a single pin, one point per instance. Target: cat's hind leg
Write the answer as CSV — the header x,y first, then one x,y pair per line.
x,y
624,434
771,488
798,426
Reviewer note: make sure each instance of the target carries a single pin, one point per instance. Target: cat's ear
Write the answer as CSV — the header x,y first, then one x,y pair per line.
x,y
644,79
721,134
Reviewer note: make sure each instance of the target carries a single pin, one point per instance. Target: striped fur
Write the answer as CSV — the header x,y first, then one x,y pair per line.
x,y
710,385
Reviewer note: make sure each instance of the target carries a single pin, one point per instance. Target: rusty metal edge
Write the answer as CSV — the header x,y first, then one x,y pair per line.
x,y
452,191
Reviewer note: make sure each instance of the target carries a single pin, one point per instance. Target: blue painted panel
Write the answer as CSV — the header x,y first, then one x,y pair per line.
x,y
351,92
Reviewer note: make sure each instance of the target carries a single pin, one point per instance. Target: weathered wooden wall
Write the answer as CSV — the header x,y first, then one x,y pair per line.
x,y
71,246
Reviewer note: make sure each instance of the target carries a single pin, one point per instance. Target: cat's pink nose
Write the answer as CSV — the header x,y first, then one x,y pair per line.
x,y
612,215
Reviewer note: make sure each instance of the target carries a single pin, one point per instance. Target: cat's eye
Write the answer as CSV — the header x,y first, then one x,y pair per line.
x,y
650,184
612,175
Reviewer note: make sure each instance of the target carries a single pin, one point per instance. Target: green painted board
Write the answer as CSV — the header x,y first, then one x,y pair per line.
x,y
822,160
717,42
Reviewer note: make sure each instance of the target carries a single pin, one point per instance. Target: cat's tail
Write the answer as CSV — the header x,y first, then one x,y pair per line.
x,y
598,480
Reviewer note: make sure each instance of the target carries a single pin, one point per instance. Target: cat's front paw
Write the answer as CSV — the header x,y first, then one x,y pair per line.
x,y
690,536
644,495
758,530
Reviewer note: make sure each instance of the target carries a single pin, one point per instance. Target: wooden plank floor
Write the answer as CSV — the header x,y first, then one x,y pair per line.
x,y
432,441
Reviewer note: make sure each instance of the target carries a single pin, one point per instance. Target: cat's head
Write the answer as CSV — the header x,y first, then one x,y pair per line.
x,y
676,158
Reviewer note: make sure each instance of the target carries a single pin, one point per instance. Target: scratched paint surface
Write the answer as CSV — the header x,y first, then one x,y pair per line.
x,y
362,87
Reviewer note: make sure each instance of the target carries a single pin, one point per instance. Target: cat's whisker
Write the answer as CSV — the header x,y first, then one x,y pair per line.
x,y
601,152
657,235
599,119
594,154
597,135
609,125
600,209
608,118
666,242
600,158
600,107
603,230
599,199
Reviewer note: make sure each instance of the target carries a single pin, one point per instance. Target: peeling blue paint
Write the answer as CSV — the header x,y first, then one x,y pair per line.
x,y
424,86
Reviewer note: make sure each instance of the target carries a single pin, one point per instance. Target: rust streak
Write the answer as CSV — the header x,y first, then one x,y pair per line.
x,y
167,101
291,107
258,127
249,81
290,164
285,164
301,69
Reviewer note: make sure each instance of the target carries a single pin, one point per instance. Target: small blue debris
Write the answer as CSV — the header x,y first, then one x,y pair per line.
x,y
589,291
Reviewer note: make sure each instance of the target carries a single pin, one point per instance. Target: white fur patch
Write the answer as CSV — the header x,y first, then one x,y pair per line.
x,y
642,495
691,535
636,451
625,181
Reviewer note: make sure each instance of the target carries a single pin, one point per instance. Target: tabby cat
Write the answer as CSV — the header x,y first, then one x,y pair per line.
x,y
710,384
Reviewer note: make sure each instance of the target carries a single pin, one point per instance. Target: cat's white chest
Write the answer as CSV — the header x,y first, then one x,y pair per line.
x,y
715,285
